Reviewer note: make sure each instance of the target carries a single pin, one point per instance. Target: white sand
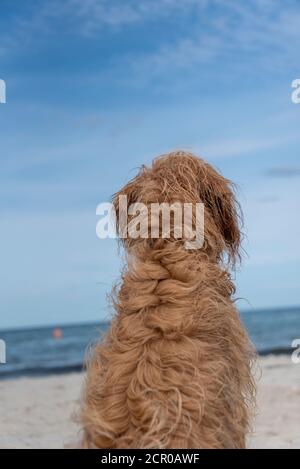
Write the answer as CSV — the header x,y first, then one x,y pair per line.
x,y
37,412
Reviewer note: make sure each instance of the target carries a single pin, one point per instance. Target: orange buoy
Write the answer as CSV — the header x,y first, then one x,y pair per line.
x,y
57,333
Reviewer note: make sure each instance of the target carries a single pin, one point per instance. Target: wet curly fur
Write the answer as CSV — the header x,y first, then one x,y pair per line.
x,y
174,369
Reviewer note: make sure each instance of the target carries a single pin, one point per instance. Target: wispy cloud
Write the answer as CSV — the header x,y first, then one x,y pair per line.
x,y
283,172
261,32
215,27
246,146
268,199
96,14
90,17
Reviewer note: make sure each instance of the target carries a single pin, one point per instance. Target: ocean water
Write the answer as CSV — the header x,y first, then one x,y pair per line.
x,y
35,351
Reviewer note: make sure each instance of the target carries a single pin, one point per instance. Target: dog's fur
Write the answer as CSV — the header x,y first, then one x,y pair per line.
x,y
174,370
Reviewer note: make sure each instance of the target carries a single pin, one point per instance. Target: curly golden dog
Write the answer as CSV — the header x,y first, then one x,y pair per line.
x,y
174,369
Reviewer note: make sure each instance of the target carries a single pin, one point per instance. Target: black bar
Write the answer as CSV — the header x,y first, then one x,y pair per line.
x,y
135,458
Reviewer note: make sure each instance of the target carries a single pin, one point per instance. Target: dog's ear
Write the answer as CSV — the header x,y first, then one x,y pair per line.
x,y
218,196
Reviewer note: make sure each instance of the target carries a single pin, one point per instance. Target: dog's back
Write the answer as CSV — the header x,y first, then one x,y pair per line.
x,y
174,370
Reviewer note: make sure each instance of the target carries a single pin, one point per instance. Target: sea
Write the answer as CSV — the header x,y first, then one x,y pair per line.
x,y
52,350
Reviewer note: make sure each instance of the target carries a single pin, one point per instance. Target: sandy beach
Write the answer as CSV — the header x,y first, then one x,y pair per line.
x,y
39,412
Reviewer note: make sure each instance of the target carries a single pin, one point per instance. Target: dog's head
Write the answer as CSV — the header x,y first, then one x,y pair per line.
x,y
183,177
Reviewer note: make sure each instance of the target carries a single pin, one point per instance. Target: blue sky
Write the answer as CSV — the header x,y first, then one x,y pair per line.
x,y
94,89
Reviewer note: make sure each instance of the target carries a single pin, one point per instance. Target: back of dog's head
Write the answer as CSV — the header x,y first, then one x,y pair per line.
x,y
182,177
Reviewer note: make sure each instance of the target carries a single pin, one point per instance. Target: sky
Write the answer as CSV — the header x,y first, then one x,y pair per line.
x,y
96,88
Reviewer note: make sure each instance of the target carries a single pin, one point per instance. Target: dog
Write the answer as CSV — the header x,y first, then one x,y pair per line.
x,y
175,368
